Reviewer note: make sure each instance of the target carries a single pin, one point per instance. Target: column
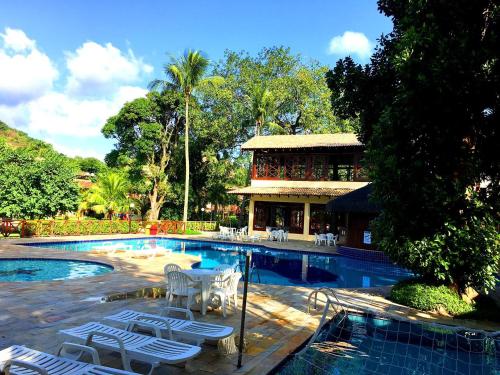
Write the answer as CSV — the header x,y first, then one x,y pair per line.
x,y
250,216
307,218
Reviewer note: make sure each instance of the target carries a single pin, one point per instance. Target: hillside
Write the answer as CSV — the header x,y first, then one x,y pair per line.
x,y
16,138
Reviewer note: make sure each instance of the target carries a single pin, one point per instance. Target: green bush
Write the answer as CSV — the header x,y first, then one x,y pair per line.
x,y
416,294
466,253
75,228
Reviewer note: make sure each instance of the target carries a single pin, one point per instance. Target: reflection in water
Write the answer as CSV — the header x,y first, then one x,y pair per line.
x,y
279,267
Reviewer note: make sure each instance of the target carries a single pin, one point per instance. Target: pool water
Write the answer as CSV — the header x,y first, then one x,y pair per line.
x,y
12,270
367,345
278,267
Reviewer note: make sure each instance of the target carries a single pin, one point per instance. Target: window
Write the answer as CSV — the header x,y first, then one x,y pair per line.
x,y
316,167
321,221
287,216
319,165
259,216
295,167
340,168
267,167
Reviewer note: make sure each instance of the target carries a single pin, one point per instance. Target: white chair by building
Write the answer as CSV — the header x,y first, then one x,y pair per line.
x,y
226,289
180,285
269,233
331,239
242,233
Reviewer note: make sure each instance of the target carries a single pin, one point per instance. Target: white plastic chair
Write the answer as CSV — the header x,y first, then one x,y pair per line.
x,y
331,239
225,289
323,238
180,285
225,268
133,346
285,236
269,233
281,235
171,267
242,233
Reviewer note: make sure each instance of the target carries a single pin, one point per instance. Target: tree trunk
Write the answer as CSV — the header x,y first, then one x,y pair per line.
x,y
154,212
186,150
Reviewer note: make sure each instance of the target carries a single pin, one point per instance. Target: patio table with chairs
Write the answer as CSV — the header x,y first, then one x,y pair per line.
x,y
208,284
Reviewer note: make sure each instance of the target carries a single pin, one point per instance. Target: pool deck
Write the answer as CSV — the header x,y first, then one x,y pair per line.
x,y
277,320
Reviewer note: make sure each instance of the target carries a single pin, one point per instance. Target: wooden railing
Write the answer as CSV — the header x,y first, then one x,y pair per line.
x,y
46,228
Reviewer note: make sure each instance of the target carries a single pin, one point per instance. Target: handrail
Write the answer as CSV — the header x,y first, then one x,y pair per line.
x,y
331,301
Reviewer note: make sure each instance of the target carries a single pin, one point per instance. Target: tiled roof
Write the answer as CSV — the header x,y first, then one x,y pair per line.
x,y
320,192
301,141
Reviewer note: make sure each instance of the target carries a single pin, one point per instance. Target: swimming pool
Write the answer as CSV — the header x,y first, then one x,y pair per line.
x,y
278,267
21,269
367,345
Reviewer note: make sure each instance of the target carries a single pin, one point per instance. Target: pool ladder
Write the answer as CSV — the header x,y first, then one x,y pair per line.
x,y
333,302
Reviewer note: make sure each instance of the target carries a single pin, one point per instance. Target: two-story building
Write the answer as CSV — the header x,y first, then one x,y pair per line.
x,y
294,176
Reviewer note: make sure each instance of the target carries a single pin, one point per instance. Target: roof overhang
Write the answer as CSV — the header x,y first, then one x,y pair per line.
x,y
290,191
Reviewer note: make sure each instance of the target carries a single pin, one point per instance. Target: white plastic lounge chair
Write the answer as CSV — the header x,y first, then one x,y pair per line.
x,y
147,253
181,285
20,360
255,237
133,346
185,329
225,289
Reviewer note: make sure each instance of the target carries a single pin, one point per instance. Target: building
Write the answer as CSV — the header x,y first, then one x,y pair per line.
x,y
294,176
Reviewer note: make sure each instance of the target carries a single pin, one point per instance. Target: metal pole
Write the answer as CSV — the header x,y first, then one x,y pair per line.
x,y
244,307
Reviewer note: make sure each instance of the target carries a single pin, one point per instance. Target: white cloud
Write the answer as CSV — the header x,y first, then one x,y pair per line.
x,y
71,151
351,43
57,113
25,72
97,69
17,40
101,78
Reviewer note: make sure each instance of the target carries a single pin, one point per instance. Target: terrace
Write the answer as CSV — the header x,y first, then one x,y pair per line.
x,y
277,320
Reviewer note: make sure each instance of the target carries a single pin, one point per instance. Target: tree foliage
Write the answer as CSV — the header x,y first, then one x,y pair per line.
x,y
36,183
292,93
428,106
109,195
146,131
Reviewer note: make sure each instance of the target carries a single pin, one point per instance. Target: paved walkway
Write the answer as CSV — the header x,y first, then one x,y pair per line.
x,y
277,322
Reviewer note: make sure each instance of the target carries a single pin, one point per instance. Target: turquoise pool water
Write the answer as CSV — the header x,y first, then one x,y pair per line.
x,y
12,270
278,267
367,345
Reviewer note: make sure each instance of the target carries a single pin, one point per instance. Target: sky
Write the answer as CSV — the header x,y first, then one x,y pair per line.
x,y
67,66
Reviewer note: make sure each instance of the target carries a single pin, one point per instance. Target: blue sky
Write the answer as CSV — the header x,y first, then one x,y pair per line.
x,y
65,66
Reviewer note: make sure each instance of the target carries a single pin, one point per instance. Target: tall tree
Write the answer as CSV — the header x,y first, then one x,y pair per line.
x,y
428,104
184,74
147,130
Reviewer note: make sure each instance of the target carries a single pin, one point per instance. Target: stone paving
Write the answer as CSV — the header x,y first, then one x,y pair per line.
x,y
277,319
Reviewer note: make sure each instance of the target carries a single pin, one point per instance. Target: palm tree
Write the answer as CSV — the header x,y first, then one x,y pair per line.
x,y
108,195
184,74
262,105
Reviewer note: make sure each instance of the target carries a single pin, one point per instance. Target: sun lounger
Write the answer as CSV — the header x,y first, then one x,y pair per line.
x,y
148,253
133,346
187,329
19,360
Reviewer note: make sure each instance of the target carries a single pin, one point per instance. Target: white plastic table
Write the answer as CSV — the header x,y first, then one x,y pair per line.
x,y
205,277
